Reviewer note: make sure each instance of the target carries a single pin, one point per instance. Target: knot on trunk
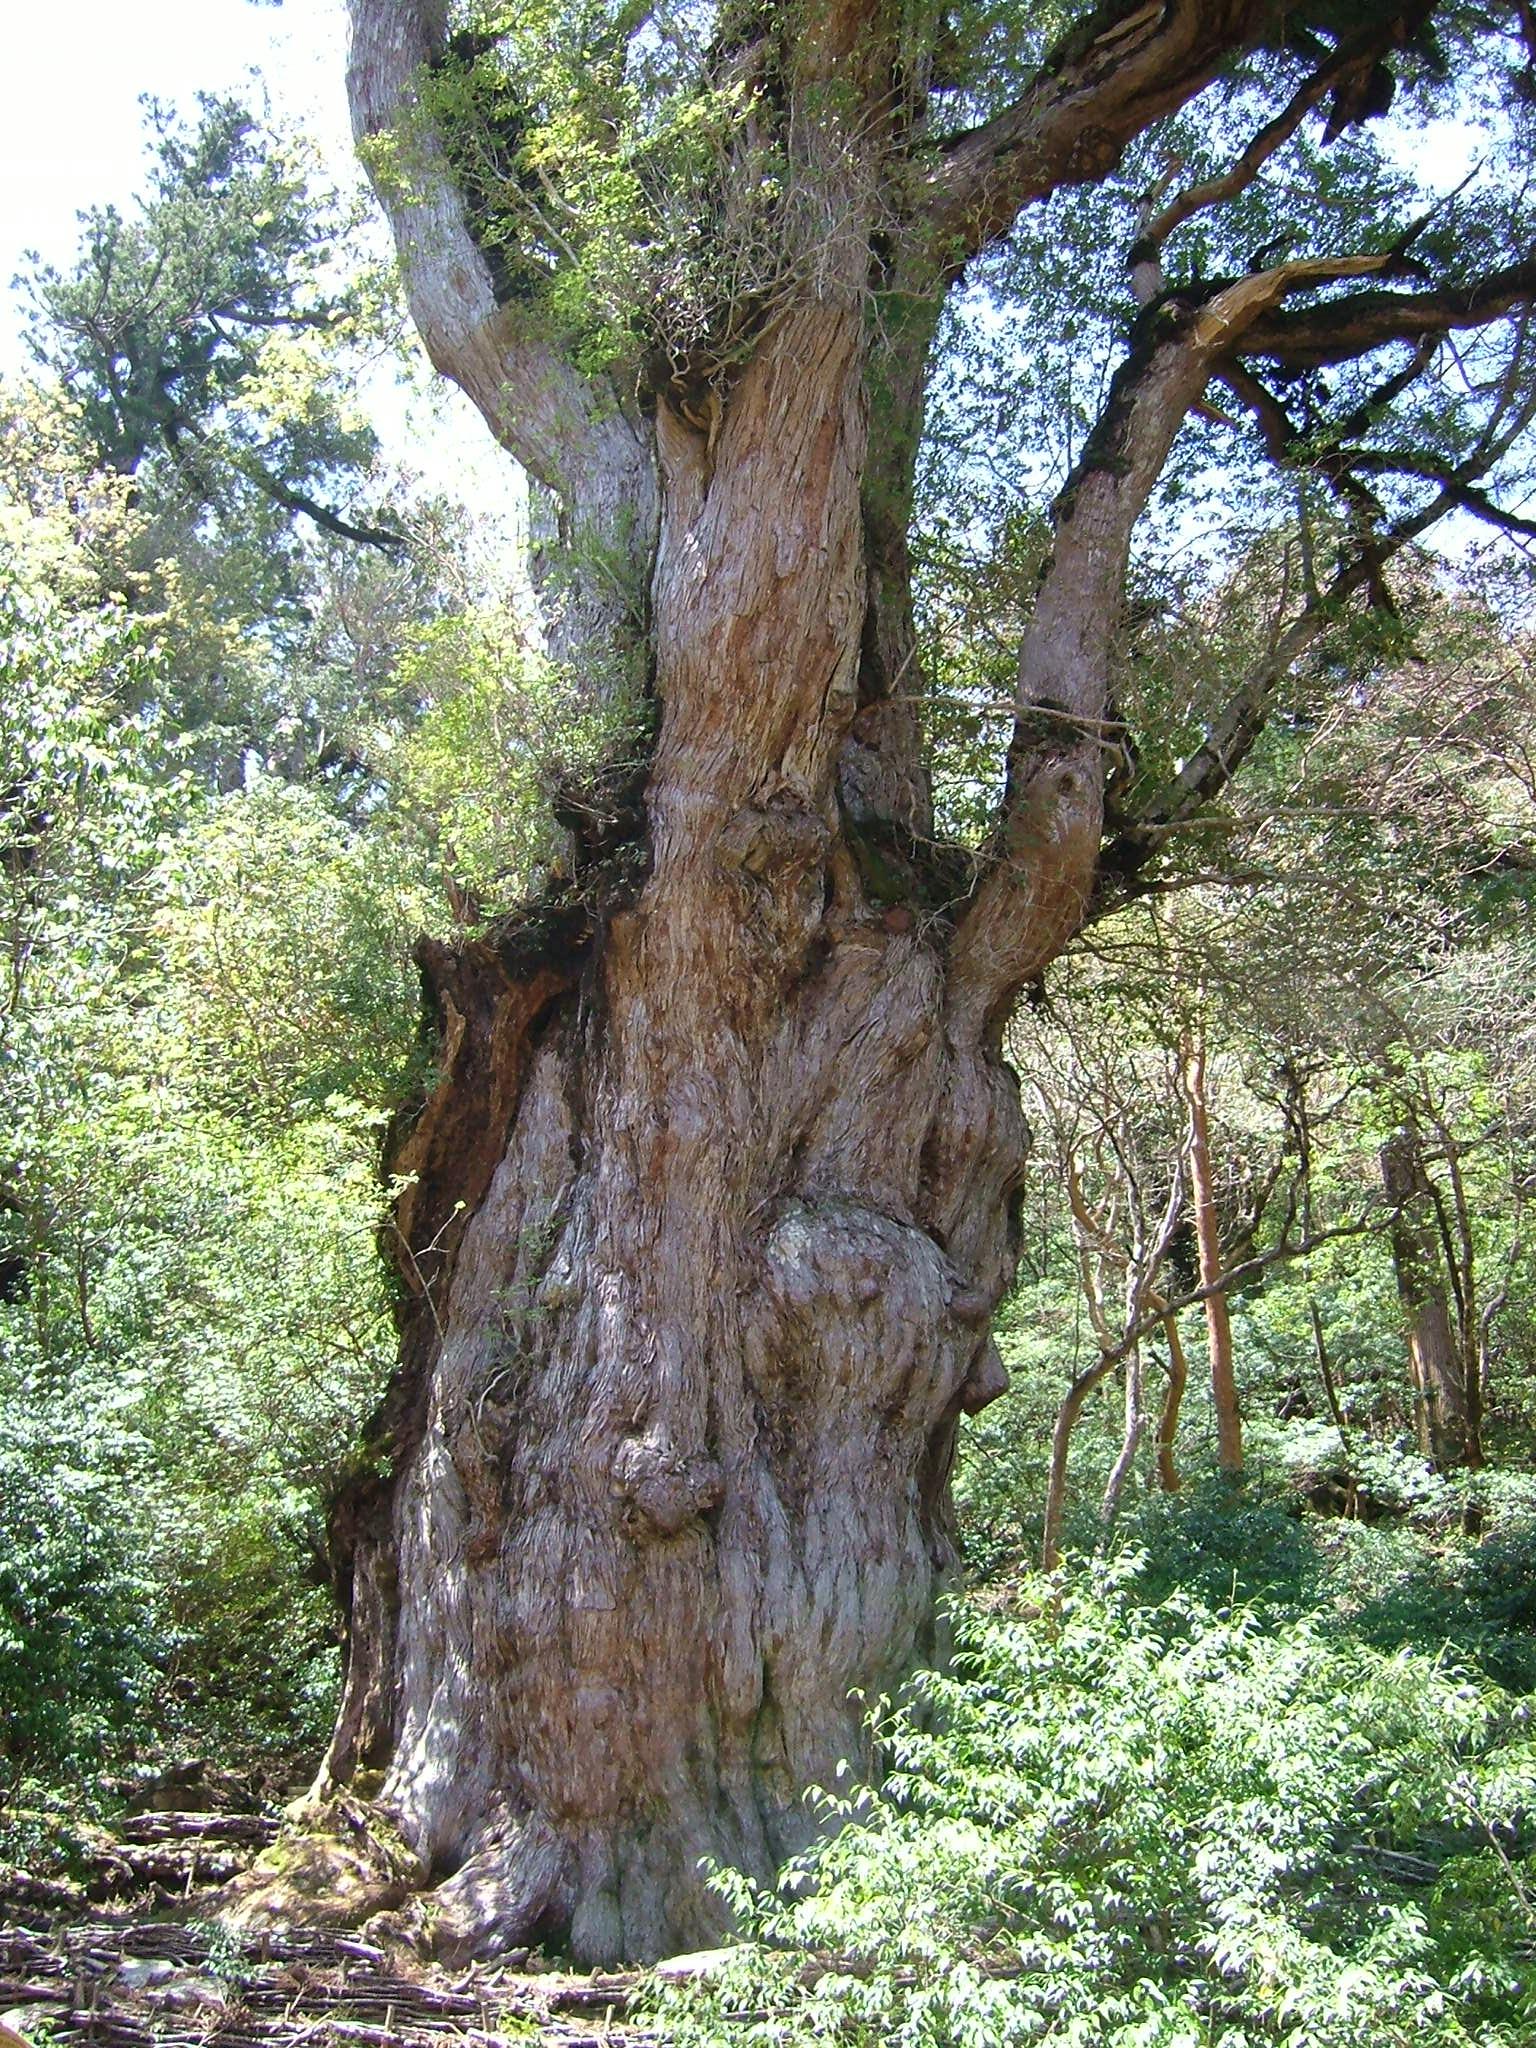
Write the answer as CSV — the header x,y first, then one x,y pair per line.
x,y
773,858
971,1306
667,1488
986,1382
778,843
867,1323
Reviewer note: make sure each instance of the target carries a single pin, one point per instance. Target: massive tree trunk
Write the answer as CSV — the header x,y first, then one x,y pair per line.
x,y
736,1184
708,1210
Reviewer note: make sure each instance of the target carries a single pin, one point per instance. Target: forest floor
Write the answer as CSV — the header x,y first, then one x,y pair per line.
x,y
128,1955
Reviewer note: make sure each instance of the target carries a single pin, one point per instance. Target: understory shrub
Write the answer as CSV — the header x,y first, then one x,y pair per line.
x,y
77,1641
1117,1822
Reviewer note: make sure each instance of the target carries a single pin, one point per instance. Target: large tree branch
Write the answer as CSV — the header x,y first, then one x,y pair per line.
x,y
1463,496
569,430
1038,875
1240,175
1130,63
1341,329
1342,71
1038,871
1234,733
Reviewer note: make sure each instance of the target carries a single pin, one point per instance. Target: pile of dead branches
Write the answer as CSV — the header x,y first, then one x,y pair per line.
x,y
161,1984
164,1857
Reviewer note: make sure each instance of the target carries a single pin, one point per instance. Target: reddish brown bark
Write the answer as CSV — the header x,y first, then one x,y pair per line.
x,y
712,1214
715,1203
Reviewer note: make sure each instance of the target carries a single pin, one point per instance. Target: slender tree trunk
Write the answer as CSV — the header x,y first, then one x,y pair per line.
x,y
1173,1400
1440,1402
1218,1322
1130,1442
1325,1368
1061,1448
1461,1259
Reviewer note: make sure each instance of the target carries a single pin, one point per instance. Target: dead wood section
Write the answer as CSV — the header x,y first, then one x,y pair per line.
x,y
110,1984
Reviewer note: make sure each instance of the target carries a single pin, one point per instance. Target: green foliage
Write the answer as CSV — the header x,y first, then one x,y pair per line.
x,y
192,336
1265,1774
77,1640
208,1012
193,1317
131,478
502,734
83,794
596,160
1437,1563
1121,1824
283,941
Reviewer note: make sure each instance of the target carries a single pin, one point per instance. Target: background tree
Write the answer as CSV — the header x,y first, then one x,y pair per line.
x,y
181,331
205,348
218,837
1355,960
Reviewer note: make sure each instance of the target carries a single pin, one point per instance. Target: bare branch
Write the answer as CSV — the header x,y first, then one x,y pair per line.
x,y
294,500
1344,328
1270,138
1234,1278
1233,734
1345,68
176,433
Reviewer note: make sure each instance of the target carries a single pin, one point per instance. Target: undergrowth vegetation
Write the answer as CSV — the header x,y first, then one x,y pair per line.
x,y
1128,1818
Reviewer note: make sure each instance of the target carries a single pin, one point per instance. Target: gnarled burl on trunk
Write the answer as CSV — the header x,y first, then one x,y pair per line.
x,y
709,1208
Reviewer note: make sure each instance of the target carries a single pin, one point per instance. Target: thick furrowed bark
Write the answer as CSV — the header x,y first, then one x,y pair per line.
x,y
650,1566
676,1504
712,1209
673,1509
